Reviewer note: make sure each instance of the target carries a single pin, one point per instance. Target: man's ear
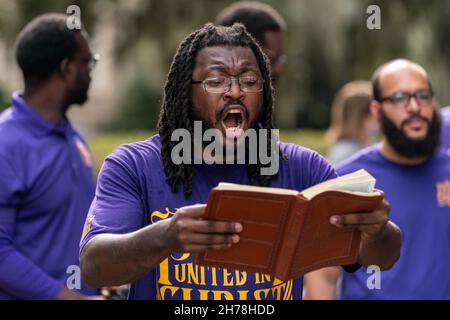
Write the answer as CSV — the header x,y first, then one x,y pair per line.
x,y
67,69
375,109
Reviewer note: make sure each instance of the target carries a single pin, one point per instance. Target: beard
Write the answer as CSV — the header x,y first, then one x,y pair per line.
x,y
412,148
79,94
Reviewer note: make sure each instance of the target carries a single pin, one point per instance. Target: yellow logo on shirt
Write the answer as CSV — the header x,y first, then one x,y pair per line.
x,y
443,193
84,152
157,215
87,225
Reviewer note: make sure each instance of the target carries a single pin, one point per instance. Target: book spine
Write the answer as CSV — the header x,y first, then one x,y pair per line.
x,y
291,235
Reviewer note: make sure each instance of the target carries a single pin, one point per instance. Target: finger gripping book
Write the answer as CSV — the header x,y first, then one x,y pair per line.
x,y
287,233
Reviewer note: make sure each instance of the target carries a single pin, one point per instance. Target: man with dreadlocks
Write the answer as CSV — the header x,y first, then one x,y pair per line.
x,y
145,221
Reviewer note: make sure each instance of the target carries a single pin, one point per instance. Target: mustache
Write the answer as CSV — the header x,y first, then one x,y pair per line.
x,y
414,117
226,106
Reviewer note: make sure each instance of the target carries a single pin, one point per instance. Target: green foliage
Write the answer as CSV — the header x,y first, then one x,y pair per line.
x,y
139,106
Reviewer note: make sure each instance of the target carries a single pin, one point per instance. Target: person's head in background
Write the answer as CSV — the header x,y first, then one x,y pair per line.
x,y
352,125
55,59
265,24
407,110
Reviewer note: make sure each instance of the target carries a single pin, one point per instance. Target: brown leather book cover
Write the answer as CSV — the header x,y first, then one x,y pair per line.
x,y
284,233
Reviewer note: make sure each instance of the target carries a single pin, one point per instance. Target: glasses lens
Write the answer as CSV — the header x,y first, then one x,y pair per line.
x,y
250,84
424,97
400,98
217,85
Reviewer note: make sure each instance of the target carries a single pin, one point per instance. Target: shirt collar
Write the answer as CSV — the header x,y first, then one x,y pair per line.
x,y
35,122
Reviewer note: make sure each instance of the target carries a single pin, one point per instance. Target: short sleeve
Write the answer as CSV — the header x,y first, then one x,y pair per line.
x,y
306,167
322,169
117,207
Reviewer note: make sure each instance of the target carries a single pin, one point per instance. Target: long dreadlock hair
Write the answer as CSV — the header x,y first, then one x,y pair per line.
x,y
176,107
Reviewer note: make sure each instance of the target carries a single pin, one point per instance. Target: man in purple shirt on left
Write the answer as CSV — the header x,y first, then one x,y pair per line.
x,y
46,178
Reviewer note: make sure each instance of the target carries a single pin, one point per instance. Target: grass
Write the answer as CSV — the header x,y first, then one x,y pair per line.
x,y
102,144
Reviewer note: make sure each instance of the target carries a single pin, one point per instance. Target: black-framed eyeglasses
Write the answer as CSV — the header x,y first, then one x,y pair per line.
x,y
401,99
92,61
223,84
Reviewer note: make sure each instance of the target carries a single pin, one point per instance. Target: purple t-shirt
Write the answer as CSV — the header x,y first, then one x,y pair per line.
x,y
446,129
46,187
132,193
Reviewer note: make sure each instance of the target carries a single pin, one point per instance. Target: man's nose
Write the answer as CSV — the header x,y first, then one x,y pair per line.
x,y
413,105
235,91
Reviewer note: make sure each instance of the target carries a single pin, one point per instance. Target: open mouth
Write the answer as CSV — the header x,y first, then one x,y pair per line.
x,y
233,122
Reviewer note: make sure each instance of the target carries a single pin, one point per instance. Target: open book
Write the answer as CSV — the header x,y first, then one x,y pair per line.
x,y
287,233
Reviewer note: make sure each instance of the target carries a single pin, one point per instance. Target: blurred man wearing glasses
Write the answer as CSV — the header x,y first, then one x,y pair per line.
x,y
265,24
46,178
415,176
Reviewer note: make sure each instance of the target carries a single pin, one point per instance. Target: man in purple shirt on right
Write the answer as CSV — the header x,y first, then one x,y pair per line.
x,y
46,178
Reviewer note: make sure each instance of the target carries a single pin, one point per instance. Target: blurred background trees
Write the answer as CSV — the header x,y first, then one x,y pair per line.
x,y
327,44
